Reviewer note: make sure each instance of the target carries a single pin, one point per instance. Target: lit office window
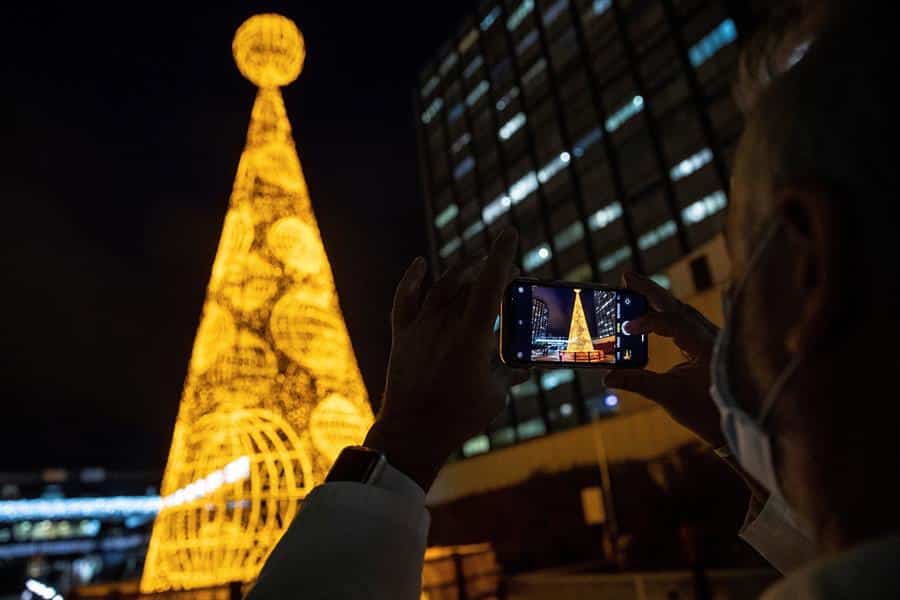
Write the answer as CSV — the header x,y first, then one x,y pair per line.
x,y
662,280
432,110
534,71
518,15
553,379
605,216
490,18
657,235
461,143
531,428
553,167
448,63
495,208
601,6
691,164
430,85
703,208
586,141
524,186
477,93
525,389
536,257
463,168
580,273
610,261
446,215
455,113
714,41
554,10
503,102
468,41
630,109
598,7
512,126
473,66
567,237
473,230
527,42
477,445
450,247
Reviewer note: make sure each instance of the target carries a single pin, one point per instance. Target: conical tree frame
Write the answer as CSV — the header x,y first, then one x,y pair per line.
x,y
273,390
579,333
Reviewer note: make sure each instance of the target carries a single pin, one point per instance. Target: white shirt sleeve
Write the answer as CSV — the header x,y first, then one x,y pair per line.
x,y
777,536
351,540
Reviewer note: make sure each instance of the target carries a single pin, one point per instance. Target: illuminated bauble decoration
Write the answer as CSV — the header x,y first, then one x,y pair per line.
x,y
243,516
269,50
305,331
334,424
273,388
289,240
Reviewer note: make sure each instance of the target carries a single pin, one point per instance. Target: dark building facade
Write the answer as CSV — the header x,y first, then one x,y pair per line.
x,y
601,129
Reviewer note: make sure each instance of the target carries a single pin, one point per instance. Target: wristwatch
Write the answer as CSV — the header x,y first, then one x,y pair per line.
x,y
359,464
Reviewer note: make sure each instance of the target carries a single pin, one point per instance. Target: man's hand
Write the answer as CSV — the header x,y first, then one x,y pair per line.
x,y
683,390
444,382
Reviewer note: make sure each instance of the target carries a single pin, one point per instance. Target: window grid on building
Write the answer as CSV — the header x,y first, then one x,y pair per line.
x,y
600,129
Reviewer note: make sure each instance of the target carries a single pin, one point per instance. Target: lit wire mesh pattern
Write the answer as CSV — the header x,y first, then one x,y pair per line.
x,y
273,381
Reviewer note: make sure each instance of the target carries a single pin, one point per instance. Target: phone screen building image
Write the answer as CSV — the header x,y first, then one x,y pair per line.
x,y
573,325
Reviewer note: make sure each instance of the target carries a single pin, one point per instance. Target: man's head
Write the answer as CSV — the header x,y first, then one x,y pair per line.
x,y
816,161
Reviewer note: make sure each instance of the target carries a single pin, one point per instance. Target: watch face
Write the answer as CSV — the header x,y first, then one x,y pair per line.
x,y
355,463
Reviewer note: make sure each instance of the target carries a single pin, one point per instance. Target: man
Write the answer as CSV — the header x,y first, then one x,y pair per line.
x,y
800,374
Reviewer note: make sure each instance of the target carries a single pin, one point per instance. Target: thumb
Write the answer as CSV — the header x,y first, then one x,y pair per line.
x,y
406,297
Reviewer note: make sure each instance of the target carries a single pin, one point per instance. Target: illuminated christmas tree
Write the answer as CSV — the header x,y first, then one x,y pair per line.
x,y
580,346
273,391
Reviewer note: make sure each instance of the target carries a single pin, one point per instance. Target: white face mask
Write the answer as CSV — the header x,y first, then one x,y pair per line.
x,y
750,443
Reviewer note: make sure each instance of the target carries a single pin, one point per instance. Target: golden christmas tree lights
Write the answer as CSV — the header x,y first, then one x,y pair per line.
x,y
580,347
273,391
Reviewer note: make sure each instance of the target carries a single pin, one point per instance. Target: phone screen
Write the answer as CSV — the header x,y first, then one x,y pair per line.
x,y
571,324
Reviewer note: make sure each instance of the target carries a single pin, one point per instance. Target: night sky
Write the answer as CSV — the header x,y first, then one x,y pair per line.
x,y
121,133
560,301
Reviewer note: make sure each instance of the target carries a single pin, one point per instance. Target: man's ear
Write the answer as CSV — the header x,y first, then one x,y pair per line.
x,y
811,226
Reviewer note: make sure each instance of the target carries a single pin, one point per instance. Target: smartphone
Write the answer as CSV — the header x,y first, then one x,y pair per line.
x,y
564,324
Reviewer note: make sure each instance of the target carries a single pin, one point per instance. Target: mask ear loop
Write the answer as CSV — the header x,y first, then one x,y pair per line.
x,y
785,376
762,245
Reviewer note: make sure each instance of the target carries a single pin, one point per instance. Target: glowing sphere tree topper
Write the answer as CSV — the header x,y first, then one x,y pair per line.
x,y
269,50
273,383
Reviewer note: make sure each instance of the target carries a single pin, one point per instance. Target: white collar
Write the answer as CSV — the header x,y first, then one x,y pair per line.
x,y
869,570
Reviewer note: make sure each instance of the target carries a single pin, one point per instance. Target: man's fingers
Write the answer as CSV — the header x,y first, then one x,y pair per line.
x,y
654,386
489,286
659,298
407,295
660,323
685,332
448,286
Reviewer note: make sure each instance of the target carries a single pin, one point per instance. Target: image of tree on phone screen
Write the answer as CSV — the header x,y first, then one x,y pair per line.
x,y
572,325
